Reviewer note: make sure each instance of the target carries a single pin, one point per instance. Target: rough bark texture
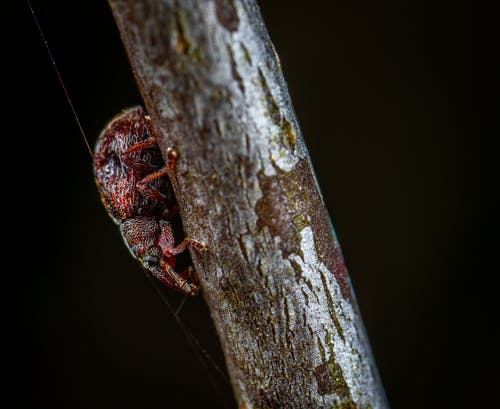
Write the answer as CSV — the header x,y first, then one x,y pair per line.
x,y
273,277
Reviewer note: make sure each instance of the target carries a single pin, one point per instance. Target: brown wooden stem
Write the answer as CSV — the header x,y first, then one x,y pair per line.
x,y
273,277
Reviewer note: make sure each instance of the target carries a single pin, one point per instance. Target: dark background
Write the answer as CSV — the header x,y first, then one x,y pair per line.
x,y
389,97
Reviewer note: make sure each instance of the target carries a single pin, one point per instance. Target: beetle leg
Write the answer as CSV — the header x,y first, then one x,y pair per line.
x,y
147,143
168,248
190,274
133,161
152,192
167,275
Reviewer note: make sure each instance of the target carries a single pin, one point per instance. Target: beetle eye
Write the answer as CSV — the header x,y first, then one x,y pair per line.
x,y
153,260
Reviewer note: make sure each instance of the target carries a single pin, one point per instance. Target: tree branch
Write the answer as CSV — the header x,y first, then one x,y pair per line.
x,y
273,278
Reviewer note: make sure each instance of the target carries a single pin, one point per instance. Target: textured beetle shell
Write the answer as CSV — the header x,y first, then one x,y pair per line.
x,y
117,181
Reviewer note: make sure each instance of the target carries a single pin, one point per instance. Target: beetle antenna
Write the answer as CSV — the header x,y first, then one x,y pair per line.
x,y
59,77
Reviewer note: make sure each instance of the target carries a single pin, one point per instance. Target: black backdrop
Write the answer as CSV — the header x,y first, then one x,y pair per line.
x,y
388,95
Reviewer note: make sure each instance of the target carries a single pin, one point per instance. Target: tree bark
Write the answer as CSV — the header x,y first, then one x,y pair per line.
x,y
273,276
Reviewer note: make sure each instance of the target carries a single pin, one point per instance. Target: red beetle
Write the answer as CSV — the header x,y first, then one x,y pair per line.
x,y
131,178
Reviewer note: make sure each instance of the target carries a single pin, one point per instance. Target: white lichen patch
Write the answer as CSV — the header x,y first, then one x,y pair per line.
x,y
252,90
348,350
